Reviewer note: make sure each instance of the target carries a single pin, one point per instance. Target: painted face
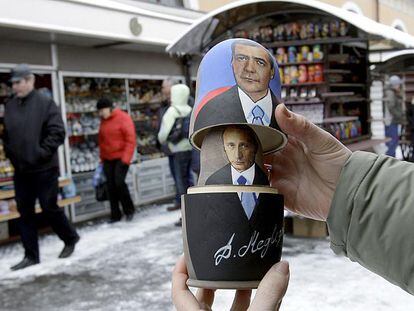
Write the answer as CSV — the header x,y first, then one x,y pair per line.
x,y
240,148
105,113
252,70
23,87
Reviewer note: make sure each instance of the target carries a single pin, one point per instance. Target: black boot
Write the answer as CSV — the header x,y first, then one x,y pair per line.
x,y
68,249
129,217
26,262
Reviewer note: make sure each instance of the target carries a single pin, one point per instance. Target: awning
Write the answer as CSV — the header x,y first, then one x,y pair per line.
x,y
97,23
216,25
399,61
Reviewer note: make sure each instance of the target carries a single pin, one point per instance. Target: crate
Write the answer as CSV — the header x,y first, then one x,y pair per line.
x,y
303,227
4,230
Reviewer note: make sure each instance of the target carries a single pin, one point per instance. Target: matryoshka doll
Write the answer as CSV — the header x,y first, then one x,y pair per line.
x,y
286,75
292,54
303,31
281,55
295,31
343,29
334,28
303,75
311,73
294,75
318,73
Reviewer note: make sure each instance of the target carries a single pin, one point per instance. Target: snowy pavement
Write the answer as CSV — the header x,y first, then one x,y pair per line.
x,y
127,266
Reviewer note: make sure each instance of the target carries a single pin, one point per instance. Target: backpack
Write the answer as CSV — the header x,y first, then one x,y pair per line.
x,y
180,129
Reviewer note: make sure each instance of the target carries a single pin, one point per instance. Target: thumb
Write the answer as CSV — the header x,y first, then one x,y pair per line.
x,y
272,288
302,129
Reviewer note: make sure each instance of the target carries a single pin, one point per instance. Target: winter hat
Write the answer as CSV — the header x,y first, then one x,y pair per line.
x,y
20,72
179,95
395,81
104,103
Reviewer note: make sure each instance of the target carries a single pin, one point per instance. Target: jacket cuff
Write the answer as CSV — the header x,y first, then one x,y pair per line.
x,y
340,214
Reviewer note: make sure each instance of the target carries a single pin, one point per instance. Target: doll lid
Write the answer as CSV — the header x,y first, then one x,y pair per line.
x,y
238,83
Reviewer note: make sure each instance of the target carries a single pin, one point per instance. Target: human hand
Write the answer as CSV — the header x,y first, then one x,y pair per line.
x,y
307,170
268,297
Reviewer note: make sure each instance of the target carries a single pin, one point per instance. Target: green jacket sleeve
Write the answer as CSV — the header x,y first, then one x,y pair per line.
x,y
371,220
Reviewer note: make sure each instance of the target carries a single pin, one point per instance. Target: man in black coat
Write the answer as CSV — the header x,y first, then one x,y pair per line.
x,y
250,100
33,132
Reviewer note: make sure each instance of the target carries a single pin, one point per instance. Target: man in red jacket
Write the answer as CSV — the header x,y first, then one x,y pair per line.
x,y
117,143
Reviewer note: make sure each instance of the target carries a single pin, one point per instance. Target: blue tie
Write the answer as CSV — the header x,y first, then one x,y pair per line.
x,y
259,116
248,199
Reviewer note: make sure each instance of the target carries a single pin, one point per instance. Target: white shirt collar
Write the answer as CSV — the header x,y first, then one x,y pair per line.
x,y
247,104
248,174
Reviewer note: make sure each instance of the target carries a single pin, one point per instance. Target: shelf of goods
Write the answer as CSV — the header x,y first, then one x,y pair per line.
x,y
90,208
146,106
8,209
81,95
323,65
154,180
149,179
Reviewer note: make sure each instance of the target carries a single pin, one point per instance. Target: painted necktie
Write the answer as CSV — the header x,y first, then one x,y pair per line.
x,y
258,115
248,199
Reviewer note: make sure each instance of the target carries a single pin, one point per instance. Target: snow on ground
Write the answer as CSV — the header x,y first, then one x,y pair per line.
x,y
127,266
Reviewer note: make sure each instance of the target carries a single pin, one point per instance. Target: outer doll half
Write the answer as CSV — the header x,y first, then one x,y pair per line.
x,y
239,84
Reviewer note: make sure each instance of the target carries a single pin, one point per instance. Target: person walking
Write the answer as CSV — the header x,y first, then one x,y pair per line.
x,y
181,150
33,131
117,142
393,113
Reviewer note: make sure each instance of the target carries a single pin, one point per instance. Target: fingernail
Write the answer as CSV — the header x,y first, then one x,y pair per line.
x,y
285,111
283,267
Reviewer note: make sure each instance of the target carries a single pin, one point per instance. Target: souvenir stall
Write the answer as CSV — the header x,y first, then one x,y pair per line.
x,y
149,177
322,54
401,63
78,61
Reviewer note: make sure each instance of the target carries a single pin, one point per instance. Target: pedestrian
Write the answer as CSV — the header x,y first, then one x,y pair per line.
x,y
181,148
393,113
33,132
117,142
166,95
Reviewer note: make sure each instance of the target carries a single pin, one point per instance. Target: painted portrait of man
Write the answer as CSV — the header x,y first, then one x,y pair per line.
x,y
240,145
250,99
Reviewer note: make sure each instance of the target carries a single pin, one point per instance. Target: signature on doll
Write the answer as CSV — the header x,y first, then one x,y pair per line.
x,y
255,245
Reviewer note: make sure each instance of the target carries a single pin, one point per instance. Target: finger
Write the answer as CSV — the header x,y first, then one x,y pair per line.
x,y
299,127
272,288
182,297
241,300
205,297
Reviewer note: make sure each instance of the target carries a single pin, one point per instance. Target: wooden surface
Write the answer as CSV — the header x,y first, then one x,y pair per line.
x,y
61,203
366,144
9,194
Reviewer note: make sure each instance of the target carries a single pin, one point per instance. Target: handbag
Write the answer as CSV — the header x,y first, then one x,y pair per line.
x,y
99,183
101,192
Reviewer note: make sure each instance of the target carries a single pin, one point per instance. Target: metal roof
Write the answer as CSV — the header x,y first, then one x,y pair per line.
x,y
217,23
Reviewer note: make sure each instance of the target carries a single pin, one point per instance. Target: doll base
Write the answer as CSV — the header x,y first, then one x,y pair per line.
x,y
223,284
